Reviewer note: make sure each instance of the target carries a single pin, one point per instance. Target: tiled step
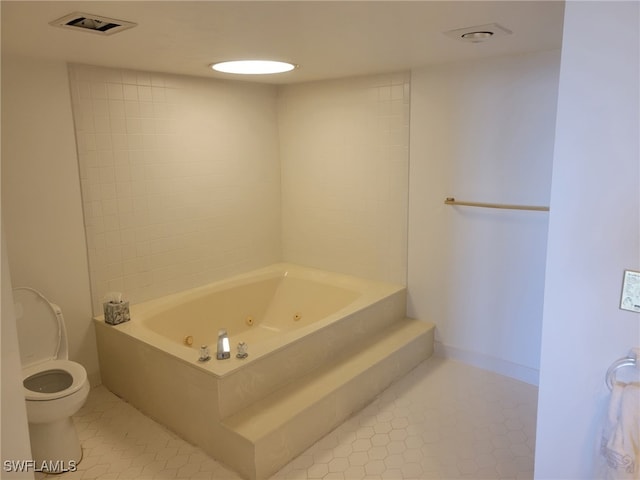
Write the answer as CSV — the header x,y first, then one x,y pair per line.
x,y
242,387
282,425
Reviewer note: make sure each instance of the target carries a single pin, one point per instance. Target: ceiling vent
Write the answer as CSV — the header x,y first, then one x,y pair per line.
x,y
479,33
86,22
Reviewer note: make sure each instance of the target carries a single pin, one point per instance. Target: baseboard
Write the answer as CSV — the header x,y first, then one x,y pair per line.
x,y
487,362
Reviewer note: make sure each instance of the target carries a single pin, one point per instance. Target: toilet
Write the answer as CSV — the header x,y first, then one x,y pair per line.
x,y
54,387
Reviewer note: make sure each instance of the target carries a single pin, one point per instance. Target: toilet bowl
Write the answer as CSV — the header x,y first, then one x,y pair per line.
x,y
54,387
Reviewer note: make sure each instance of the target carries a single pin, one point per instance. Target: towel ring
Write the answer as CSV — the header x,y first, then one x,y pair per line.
x,y
631,360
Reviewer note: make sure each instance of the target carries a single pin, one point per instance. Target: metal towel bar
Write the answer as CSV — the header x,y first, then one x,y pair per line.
x,y
453,201
631,360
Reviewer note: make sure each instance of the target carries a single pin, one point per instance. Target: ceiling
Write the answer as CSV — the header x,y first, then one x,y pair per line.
x,y
327,39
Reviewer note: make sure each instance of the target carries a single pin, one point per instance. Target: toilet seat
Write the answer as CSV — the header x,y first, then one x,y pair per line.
x,y
43,348
75,370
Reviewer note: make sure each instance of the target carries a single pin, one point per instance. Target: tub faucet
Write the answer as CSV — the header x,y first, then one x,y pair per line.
x,y
224,350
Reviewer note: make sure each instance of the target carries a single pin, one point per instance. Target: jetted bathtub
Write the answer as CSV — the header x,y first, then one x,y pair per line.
x,y
297,323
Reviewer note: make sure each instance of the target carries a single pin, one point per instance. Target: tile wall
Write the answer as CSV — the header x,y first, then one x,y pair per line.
x,y
189,180
180,179
345,159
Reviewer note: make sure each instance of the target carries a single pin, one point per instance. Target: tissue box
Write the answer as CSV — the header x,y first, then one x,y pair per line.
x,y
116,312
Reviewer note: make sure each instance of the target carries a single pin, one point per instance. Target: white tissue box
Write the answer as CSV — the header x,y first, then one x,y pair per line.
x,y
116,312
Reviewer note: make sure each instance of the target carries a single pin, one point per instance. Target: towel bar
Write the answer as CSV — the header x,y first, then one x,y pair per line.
x,y
453,201
631,360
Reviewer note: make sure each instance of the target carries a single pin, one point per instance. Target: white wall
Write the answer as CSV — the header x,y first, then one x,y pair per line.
x,y
180,179
41,206
482,131
594,233
345,160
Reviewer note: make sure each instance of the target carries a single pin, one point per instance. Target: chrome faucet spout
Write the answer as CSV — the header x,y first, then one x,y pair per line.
x,y
224,349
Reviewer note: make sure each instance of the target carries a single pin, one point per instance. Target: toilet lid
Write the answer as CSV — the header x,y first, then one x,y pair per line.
x,y
39,330
76,371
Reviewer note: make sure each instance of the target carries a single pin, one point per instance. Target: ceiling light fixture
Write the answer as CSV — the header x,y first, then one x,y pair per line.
x,y
253,67
478,33
476,36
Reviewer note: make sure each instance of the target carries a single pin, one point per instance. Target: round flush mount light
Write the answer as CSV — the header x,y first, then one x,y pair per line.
x,y
478,33
253,67
477,36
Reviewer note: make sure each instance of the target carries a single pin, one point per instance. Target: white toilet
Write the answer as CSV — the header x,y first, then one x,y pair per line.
x,y
54,387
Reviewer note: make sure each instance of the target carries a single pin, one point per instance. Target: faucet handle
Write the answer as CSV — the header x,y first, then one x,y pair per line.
x,y
205,356
242,350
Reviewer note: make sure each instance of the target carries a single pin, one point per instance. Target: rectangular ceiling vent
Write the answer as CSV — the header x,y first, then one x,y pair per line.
x,y
86,22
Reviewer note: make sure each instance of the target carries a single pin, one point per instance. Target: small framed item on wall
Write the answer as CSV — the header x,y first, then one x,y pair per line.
x,y
630,298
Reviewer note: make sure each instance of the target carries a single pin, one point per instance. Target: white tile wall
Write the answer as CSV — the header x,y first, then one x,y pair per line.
x,y
180,179
345,157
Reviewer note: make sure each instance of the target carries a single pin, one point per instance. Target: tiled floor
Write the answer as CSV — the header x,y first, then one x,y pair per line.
x,y
444,420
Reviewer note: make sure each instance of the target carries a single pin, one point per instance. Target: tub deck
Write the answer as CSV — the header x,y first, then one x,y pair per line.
x,y
298,383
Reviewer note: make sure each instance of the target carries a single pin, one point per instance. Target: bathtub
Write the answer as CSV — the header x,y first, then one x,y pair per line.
x,y
300,326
